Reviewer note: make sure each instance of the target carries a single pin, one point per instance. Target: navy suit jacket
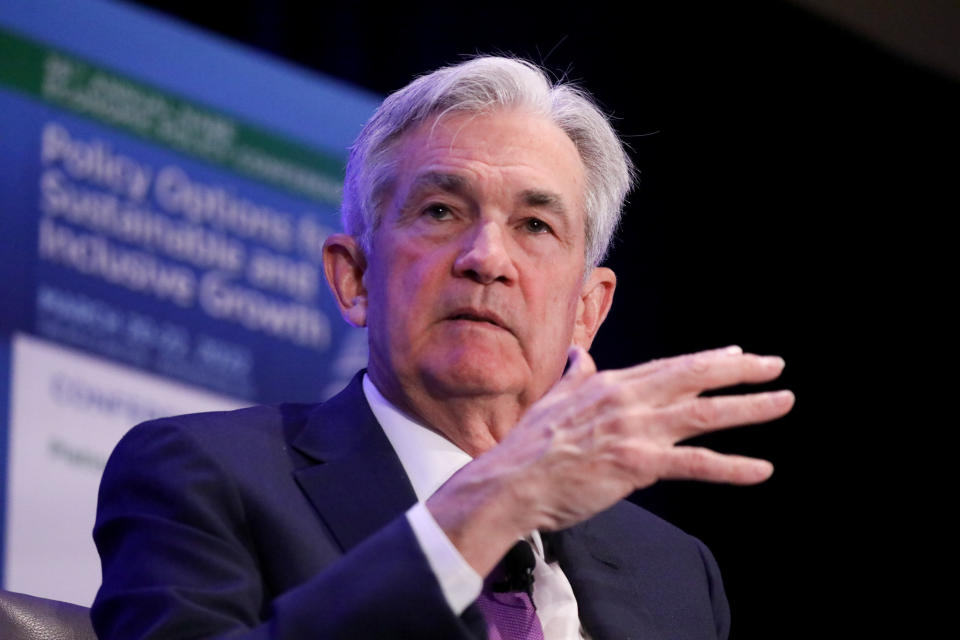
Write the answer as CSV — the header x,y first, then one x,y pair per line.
x,y
287,522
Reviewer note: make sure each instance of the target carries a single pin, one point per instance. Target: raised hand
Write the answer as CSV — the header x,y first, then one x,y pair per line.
x,y
596,437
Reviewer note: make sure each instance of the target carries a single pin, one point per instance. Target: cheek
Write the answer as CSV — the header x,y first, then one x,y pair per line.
x,y
409,288
414,283
553,322
393,273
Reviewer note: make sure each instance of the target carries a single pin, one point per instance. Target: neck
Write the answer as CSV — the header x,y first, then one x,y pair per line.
x,y
475,422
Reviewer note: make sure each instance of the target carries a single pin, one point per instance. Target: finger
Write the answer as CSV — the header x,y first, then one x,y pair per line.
x,y
701,415
580,366
697,463
647,368
693,374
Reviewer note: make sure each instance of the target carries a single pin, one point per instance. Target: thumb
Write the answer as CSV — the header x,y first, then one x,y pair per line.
x,y
580,365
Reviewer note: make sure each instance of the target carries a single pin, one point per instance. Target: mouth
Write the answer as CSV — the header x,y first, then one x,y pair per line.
x,y
479,316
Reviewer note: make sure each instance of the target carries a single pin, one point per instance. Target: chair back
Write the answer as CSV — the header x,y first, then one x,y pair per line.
x,y
24,617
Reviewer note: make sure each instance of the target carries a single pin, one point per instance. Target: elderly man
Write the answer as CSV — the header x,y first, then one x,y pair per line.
x,y
479,201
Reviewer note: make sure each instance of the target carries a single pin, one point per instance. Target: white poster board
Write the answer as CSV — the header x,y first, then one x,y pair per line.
x,y
67,412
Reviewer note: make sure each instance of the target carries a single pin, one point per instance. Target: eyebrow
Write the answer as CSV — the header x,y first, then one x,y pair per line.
x,y
447,182
458,185
545,200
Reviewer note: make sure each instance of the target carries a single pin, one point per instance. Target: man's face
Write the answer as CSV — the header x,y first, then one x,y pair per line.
x,y
475,282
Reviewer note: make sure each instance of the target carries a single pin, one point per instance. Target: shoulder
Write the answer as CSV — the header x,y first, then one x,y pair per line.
x,y
667,564
248,432
246,422
637,538
644,527
254,449
205,451
239,431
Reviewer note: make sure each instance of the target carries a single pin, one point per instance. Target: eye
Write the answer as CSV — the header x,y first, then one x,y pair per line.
x,y
536,225
439,212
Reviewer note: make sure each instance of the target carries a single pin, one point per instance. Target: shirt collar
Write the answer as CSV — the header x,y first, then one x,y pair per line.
x,y
428,458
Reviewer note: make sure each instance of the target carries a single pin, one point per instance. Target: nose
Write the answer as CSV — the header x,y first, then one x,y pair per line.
x,y
484,257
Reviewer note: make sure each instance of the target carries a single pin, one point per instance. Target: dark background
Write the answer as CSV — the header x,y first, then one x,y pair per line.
x,y
793,199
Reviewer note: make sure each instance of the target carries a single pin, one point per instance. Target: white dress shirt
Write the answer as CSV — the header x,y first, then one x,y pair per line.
x,y
429,460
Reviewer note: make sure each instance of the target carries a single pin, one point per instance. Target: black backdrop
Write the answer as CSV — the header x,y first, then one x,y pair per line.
x,y
793,199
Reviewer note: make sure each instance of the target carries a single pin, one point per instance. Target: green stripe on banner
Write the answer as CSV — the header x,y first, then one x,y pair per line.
x,y
69,82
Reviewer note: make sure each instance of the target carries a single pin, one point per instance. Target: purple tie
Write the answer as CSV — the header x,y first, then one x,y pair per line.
x,y
504,602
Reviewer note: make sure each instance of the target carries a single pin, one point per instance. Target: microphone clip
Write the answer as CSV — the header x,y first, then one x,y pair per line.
x,y
515,572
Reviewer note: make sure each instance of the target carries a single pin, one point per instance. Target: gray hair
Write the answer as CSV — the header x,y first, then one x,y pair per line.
x,y
482,85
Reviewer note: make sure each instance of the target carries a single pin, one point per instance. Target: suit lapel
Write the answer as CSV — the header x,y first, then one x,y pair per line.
x,y
352,475
607,598
353,478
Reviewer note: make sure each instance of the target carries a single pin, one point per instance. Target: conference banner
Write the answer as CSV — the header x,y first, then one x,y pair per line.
x,y
161,254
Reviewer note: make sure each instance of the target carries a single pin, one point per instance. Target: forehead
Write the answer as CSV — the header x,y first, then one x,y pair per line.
x,y
507,149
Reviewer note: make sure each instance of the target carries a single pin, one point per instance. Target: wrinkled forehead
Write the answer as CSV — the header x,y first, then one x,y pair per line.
x,y
502,136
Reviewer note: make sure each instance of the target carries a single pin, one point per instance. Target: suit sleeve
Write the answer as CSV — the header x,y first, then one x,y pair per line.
x,y
179,562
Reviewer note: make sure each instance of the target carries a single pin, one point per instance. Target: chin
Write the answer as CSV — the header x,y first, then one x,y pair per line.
x,y
475,374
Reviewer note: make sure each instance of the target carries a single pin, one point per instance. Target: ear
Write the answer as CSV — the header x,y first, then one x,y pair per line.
x,y
593,306
344,265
